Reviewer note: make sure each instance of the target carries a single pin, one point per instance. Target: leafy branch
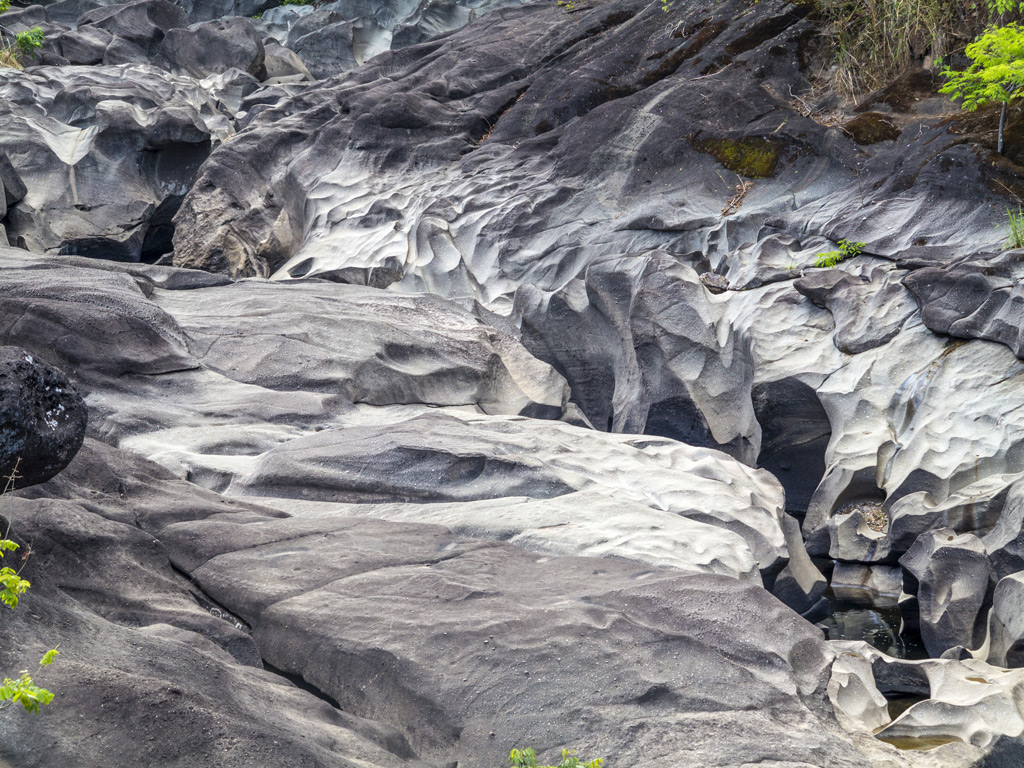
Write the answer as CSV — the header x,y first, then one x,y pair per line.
x,y
25,692
996,73
527,758
847,250
22,690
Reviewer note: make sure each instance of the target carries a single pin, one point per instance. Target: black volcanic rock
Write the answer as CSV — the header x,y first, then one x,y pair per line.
x,y
42,419
213,47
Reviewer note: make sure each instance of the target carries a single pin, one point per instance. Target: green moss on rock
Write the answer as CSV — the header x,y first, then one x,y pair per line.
x,y
752,157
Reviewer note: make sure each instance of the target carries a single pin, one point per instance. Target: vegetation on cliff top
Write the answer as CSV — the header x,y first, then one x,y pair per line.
x,y
874,41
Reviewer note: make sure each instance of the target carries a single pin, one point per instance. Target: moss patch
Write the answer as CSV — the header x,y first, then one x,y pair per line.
x,y
752,157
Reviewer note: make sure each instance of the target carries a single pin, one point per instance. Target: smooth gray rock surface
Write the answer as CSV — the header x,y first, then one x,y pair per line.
x,y
143,24
155,672
973,298
531,627
446,458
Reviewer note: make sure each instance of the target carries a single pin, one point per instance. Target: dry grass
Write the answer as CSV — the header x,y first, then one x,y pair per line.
x,y
876,40
9,59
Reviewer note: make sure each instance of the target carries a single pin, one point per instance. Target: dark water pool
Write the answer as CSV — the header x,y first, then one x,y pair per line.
x,y
877,625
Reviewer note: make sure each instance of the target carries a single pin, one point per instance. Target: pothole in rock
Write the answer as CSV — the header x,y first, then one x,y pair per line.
x,y
878,626
863,605
898,703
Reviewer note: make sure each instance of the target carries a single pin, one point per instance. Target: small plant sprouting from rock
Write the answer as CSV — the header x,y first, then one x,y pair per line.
x,y
12,586
21,690
29,41
1014,229
527,758
847,250
26,43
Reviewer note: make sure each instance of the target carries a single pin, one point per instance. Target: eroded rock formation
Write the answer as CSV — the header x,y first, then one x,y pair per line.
x,y
507,405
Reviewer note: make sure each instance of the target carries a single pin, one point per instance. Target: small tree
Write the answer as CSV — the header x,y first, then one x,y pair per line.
x,y
996,73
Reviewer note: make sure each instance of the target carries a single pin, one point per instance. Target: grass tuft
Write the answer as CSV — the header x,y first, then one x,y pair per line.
x,y
1014,229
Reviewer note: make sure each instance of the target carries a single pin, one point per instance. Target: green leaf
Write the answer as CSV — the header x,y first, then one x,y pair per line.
x,y
996,72
48,657
25,692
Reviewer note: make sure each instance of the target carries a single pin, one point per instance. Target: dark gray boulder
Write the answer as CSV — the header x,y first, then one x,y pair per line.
x,y
869,309
283,64
326,42
142,23
949,574
42,419
1005,625
214,47
12,188
85,45
976,298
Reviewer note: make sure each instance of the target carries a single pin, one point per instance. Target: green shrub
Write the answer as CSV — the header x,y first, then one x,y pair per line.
x,y
22,690
527,758
25,43
29,41
25,692
847,250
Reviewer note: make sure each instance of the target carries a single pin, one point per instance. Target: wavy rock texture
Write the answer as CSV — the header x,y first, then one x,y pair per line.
x,y
533,431
105,154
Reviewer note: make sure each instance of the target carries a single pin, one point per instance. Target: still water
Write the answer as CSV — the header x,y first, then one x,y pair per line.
x,y
877,625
